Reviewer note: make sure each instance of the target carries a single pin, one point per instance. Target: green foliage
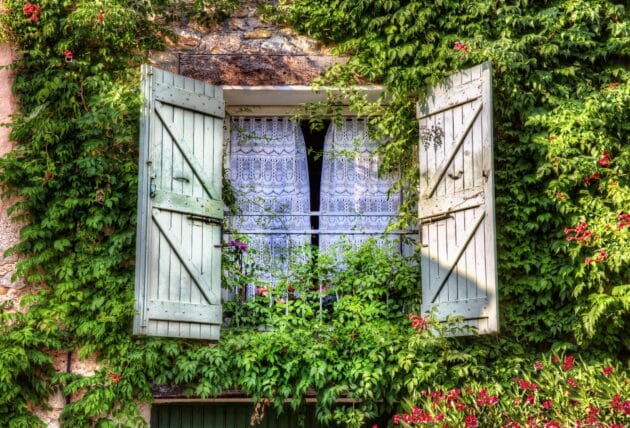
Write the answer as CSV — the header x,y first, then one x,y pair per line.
x,y
560,93
74,172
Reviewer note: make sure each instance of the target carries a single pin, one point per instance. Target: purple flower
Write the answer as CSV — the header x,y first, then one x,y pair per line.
x,y
241,246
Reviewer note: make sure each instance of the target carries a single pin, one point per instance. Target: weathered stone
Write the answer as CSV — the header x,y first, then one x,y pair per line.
x,y
259,33
256,69
241,13
165,60
278,45
221,43
287,31
252,22
236,24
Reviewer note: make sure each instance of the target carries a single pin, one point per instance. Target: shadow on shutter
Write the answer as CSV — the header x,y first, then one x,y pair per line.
x,y
456,204
178,249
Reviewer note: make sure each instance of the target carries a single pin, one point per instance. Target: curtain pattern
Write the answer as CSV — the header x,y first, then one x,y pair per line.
x,y
269,174
354,201
268,170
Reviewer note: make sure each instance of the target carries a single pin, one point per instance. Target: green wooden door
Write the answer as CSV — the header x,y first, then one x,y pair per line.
x,y
226,416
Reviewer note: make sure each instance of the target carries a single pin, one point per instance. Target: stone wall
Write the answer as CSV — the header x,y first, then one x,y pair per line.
x,y
244,50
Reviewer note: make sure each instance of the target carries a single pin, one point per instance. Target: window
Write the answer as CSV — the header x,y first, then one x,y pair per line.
x,y
295,186
181,210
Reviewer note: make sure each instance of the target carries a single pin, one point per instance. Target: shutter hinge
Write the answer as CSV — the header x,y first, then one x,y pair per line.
x,y
206,220
436,218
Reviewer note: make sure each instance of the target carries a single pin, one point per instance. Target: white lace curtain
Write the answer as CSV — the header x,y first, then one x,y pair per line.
x,y
269,174
354,200
268,171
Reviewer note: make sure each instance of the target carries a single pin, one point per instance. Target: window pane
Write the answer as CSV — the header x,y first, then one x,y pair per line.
x,y
354,200
269,174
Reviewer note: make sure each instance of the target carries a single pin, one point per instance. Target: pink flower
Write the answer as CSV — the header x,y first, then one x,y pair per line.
x,y
552,424
68,55
572,382
555,358
624,220
538,365
547,404
607,370
461,47
529,399
471,421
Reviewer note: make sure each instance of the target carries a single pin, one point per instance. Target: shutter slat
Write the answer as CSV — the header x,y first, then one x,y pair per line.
x,y
456,205
188,99
180,209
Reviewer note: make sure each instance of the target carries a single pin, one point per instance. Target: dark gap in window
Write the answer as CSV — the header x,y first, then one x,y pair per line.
x,y
314,142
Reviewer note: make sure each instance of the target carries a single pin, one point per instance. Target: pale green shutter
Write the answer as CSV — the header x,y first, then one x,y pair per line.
x,y
456,204
178,260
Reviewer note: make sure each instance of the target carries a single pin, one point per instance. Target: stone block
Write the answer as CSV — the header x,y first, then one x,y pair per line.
x,y
259,33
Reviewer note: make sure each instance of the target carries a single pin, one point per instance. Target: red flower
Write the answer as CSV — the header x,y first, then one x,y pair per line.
x,y
396,419
613,85
552,424
460,407
538,365
420,323
607,370
547,404
461,47
68,54
471,421
552,137
529,399
99,19
555,358
572,382
374,426
561,196
48,176
604,160
33,10
624,220
114,377
262,291
568,363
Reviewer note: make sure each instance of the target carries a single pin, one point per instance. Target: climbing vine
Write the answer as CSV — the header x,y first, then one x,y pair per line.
x,y
562,153
562,205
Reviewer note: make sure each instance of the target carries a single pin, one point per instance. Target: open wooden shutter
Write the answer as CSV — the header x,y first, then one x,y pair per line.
x,y
456,204
178,259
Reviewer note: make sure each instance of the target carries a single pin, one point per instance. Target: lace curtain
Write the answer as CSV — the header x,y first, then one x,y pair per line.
x,y
354,202
268,170
269,175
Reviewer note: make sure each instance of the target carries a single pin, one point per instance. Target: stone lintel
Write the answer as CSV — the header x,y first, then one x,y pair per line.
x,y
238,69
